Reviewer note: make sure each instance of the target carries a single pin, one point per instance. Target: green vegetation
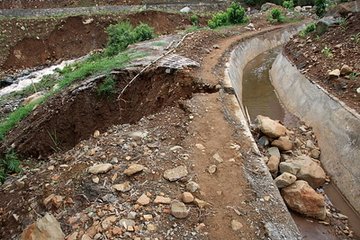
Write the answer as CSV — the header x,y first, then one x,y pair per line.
x,y
195,21
235,14
308,29
108,87
121,35
288,4
100,63
353,76
276,16
320,7
356,38
8,165
327,52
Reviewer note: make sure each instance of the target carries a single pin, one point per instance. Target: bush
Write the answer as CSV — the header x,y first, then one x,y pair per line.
x,y
194,20
235,14
8,165
288,4
121,35
276,16
320,7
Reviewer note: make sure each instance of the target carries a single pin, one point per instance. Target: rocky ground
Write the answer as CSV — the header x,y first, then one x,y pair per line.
x,y
331,56
170,175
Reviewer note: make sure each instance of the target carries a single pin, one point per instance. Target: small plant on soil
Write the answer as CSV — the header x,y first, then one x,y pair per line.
x,y
276,16
308,29
353,76
108,87
235,14
356,38
9,164
195,20
327,52
288,4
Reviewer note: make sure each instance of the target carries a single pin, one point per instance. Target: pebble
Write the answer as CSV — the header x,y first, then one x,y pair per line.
x,y
192,186
95,179
217,157
162,200
100,168
200,146
187,197
143,200
122,187
236,225
212,169
175,174
178,209
133,169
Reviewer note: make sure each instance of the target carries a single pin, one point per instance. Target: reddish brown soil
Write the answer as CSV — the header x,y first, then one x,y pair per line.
x,y
48,40
6,4
307,55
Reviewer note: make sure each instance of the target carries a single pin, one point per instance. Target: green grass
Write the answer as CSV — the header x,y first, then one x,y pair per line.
x,y
107,88
9,164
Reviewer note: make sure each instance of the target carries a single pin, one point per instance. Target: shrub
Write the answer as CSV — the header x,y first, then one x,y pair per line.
x,y
235,14
309,28
288,4
121,35
320,7
9,164
194,20
276,16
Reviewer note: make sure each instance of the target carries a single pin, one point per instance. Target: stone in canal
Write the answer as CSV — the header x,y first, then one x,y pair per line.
x,y
270,127
284,180
283,143
302,198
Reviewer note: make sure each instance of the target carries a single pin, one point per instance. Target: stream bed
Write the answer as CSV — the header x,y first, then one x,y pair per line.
x,y
259,97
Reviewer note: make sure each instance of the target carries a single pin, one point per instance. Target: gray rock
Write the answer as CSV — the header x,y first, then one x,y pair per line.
x,y
289,167
138,135
274,151
315,153
185,10
100,168
122,187
267,6
178,209
263,141
175,173
192,186
284,180
126,223
323,24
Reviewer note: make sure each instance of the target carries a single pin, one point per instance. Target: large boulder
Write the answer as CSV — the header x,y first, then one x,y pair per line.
x,y
302,198
310,170
46,228
270,127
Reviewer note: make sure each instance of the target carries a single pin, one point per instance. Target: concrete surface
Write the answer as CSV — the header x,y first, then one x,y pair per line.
x,y
336,126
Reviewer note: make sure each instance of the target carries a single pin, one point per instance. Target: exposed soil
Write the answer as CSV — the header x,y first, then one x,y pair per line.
x,y
28,43
308,55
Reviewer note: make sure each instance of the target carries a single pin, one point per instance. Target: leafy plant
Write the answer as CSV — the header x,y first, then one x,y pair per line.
x,y
276,16
108,87
320,7
195,20
9,164
308,29
288,4
143,32
327,52
235,14
354,75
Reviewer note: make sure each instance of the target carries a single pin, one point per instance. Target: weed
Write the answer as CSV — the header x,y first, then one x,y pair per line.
x,y
235,14
327,52
320,7
195,20
308,29
276,16
343,23
108,87
9,164
288,4
56,143
356,38
353,76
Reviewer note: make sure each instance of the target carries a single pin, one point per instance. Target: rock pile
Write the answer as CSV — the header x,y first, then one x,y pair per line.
x,y
293,167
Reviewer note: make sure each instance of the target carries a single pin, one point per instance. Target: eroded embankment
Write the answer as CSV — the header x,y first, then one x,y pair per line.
x,y
75,114
336,126
284,228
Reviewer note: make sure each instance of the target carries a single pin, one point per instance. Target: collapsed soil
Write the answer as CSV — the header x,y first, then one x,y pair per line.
x,y
308,55
26,43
